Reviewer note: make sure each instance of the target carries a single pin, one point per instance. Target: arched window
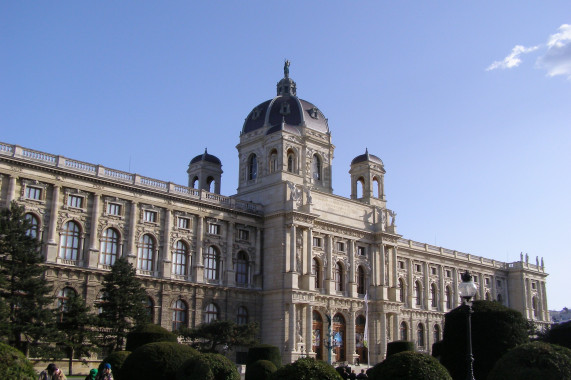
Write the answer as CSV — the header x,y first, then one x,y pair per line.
x,y
146,252
195,182
63,297
420,335
436,333
210,313
316,168
291,161
33,230
179,258
273,161
418,293
338,277
242,316
211,263
534,306
434,295
150,308
360,280
69,241
252,167
500,299
360,187
242,268
316,272
210,184
403,331
448,297
376,187
401,293
99,301
179,312
109,247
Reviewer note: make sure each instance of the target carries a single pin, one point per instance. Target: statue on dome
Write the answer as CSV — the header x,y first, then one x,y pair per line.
x,y
286,69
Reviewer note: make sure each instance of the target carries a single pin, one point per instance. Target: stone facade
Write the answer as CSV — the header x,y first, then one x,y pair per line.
x,y
284,251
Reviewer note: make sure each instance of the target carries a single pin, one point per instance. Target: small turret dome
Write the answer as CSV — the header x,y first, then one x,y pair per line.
x,y
367,157
206,157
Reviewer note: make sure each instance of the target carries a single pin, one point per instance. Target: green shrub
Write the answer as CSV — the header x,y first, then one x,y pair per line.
x,y
495,330
116,359
157,361
148,333
208,367
399,346
261,370
409,365
560,334
306,369
262,352
533,361
14,365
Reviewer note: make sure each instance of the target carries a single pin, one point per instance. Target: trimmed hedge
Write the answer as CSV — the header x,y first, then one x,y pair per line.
x,y
261,370
437,349
495,330
409,365
399,346
14,365
560,334
306,369
262,352
157,361
533,361
148,333
116,359
208,367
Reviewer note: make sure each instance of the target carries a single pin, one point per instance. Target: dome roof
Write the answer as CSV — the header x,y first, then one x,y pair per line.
x,y
367,157
286,111
206,157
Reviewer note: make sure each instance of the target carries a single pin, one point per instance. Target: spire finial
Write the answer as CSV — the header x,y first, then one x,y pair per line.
x,y
286,69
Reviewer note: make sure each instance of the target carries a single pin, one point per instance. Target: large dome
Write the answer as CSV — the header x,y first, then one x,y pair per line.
x,y
286,111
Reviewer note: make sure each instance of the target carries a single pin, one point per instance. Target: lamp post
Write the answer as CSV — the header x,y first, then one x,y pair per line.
x,y
329,337
467,289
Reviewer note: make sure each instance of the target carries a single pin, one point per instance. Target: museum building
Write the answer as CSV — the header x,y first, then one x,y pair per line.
x,y
284,251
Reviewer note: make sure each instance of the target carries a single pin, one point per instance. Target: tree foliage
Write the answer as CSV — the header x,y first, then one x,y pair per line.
x,y
27,316
220,336
559,334
123,303
208,367
148,333
77,329
14,365
306,369
408,365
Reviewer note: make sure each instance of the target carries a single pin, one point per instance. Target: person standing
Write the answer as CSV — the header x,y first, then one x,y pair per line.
x,y
362,375
105,373
52,372
92,375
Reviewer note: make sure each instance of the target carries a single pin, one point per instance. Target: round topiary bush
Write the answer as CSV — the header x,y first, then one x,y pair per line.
x,y
560,334
157,361
409,365
208,367
261,370
399,346
116,359
306,369
262,352
148,333
14,365
533,361
495,330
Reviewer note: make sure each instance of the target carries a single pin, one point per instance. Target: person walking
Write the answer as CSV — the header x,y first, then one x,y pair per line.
x,y
92,374
52,372
105,373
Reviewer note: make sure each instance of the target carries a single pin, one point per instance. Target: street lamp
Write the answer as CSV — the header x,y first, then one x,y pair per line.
x,y
467,289
328,343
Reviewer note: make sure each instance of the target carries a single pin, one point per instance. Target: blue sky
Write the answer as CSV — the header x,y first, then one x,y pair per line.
x,y
467,103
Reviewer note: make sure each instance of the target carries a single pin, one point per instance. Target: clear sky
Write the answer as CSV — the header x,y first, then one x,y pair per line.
x,y
467,103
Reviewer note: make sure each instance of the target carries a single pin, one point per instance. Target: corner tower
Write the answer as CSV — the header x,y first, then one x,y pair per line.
x,y
368,179
284,139
205,172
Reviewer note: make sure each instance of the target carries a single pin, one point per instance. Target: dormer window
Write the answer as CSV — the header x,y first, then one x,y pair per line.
x,y
285,110
313,113
255,113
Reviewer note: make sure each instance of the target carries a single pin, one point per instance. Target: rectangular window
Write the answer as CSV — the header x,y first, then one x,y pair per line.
x,y
361,251
498,283
75,201
33,193
487,281
316,242
433,270
418,267
401,264
183,223
475,278
150,216
113,209
214,229
448,273
243,234
341,246
534,285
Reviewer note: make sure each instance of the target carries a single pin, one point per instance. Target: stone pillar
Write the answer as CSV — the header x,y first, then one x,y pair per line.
x,y
199,267
441,289
351,285
292,248
383,339
230,272
410,284
350,339
93,246
52,233
454,288
309,330
545,310
425,304
329,285
11,190
394,277
166,262
309,261
258,251
132,251
380,274
494,288
291,335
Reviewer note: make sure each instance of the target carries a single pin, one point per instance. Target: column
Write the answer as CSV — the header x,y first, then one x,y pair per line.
x,y
230,276
426,302
454,288
545,310
292,247
291,335
494,288
52,233
410,284
352,286
258,270
309,262
382,336
329,286
199,267
441,289
394,276
132,251
93,246
166,262
379,270
350,338
309,330
11,190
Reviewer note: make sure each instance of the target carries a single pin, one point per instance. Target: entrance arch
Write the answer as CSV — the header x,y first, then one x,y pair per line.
x,y
317,335
360,346
339,334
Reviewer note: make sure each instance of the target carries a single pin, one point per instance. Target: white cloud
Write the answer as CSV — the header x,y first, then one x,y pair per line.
x,y
557,59
513,59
